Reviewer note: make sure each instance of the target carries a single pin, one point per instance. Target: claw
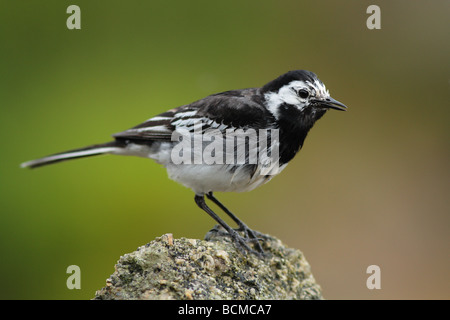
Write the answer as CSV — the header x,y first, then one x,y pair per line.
x,y
241,242
252,236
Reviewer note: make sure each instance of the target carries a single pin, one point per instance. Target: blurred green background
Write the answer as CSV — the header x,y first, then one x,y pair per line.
x,y
371,186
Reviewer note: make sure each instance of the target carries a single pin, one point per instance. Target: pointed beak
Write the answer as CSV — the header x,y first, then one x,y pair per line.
x,y
330,103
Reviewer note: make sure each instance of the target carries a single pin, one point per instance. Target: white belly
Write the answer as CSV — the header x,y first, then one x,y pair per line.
x,y
203,178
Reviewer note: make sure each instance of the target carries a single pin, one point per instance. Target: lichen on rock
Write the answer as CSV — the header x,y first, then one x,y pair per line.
x,y
191,269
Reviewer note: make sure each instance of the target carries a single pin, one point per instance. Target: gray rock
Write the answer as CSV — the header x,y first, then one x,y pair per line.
x,y
169,268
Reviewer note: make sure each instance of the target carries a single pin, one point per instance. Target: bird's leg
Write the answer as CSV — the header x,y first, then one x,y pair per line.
x,y
249,233
240,242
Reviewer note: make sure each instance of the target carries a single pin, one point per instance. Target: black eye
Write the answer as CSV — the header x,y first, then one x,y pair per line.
x,y
302,93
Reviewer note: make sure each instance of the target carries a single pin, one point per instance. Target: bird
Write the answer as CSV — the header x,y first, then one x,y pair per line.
x,y
286,107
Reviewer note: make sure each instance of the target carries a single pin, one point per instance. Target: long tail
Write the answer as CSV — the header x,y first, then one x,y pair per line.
x,y
73,154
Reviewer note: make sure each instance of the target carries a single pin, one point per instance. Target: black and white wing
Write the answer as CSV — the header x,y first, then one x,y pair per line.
x,y
238,109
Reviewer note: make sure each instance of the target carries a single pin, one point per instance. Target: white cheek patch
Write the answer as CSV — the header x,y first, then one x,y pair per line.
x,y
289,95
286,94
273,102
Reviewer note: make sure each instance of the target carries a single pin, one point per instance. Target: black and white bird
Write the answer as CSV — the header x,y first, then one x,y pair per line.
x,y
288,105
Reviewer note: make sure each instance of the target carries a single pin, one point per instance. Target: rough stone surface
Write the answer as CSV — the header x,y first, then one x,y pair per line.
x,y
169,268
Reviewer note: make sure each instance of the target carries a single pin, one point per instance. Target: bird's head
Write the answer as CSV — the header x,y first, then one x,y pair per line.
x,y
299,92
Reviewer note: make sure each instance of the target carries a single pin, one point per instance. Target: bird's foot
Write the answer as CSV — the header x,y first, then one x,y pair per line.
x,y
242,242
